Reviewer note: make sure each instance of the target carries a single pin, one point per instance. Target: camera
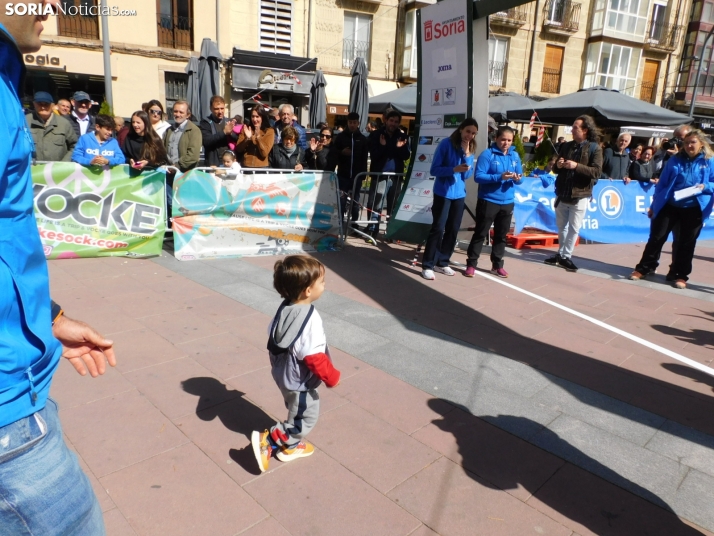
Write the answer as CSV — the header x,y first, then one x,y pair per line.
x,y
672,143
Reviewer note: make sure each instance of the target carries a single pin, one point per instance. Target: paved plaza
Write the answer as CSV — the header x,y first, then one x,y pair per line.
x,y
466,406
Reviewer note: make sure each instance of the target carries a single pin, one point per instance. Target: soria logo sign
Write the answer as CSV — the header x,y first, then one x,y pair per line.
x,y
449,27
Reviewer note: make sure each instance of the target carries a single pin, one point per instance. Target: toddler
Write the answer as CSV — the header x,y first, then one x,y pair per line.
x,y
299,357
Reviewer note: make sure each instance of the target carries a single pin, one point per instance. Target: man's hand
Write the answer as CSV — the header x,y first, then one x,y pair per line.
x,y
99,161
298,167
649,213
626,180
229,126
85,348
569,164
382,140
401,143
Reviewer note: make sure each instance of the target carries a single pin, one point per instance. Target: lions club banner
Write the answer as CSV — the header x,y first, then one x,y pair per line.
x,y
254,214
98,212
617,213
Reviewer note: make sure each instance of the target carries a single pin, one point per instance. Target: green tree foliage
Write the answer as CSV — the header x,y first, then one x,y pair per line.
x,y
105,109
518,144
541,156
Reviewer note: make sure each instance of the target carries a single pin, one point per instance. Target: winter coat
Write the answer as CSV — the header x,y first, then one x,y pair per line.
x,y
280,159
256,149
53,142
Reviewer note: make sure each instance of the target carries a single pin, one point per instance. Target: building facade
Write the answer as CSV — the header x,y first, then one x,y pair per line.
x,y
266,45
554,47
699,26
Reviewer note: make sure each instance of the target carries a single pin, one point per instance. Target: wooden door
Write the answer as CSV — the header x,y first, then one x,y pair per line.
x,y
552,69
649,81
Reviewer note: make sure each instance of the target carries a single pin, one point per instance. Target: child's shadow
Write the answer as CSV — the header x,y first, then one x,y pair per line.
x,y
235,412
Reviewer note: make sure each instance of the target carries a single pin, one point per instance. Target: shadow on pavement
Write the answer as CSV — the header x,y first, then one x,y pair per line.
x,y
500,461
237,414
689,372
701,337
382,275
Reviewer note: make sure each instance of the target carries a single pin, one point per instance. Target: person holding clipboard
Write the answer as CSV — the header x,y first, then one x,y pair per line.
x,y
452,165
683,196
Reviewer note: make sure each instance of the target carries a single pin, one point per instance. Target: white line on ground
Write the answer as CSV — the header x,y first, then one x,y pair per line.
x,y
635,338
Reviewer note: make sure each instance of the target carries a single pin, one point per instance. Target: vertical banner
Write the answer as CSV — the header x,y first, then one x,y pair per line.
x,y
443,101
98,211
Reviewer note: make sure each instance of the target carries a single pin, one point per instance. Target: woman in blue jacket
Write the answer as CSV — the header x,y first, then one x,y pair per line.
x,y
452,164
497,170
692,167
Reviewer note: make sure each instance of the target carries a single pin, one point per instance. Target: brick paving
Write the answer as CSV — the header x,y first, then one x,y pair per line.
x,y
465,407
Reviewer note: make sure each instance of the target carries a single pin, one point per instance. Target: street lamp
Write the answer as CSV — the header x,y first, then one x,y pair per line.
x,y
699,71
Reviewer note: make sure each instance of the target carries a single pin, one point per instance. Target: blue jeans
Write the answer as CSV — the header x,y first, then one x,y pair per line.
x,y
42,488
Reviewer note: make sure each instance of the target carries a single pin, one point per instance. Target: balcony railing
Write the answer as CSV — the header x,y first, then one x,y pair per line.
x,y
561,16
514,17
352,50
497,73
647,92
82,26
551,80
175,32
662,37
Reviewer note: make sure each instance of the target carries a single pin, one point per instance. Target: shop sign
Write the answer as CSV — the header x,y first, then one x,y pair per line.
x,y
41,61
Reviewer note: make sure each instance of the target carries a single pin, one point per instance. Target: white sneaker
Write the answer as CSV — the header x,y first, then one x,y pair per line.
x,y
428,274
444,270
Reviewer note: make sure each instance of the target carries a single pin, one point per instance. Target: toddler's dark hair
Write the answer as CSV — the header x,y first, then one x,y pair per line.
x,y
295,273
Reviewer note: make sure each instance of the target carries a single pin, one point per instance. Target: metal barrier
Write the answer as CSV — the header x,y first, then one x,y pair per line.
x,y
365,206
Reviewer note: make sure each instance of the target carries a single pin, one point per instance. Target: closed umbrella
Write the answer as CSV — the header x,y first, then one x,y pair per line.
x,y
318,101
192,89
608,107
359,92
403,100
500,104
209,78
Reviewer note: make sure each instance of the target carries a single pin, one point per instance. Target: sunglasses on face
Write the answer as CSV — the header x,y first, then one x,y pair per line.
x,y
327,136
155,112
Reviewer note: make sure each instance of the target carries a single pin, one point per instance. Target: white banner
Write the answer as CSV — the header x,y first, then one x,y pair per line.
x,y
249,215
445,95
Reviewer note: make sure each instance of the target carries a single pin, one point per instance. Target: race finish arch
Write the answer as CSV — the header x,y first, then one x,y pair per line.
x,y
453,45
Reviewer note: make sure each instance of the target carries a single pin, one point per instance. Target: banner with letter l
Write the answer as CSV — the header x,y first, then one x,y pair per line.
x,y
617,213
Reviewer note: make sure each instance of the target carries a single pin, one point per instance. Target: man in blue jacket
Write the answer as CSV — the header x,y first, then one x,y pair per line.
x,y
287,114
42,487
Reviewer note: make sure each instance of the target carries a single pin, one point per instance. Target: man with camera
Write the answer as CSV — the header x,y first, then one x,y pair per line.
x,y
669,147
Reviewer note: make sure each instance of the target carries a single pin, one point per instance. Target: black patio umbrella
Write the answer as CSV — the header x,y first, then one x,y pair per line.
x,y
608,107
209,78
318,101
500,104
359,92
192,89
403,100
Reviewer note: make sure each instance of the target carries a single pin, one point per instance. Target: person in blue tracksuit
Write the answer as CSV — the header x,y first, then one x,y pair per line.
x,y
498,169
452,165
42,487
692,167
98,148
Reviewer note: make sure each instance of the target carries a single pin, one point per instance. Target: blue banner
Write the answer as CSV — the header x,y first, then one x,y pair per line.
x,y
617,213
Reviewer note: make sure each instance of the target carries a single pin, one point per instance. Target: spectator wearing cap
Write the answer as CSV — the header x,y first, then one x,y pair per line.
x,y
64,107
79,118
53,135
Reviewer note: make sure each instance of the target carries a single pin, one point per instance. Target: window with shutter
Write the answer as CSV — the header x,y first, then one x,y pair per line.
x,y
552,69
275,23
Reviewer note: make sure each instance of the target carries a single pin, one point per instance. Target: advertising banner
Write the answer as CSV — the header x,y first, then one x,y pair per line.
x,y
617,213
443,102
254,214
99,211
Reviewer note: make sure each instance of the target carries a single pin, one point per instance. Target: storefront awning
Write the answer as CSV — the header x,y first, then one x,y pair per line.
x,y
337,89
279,72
